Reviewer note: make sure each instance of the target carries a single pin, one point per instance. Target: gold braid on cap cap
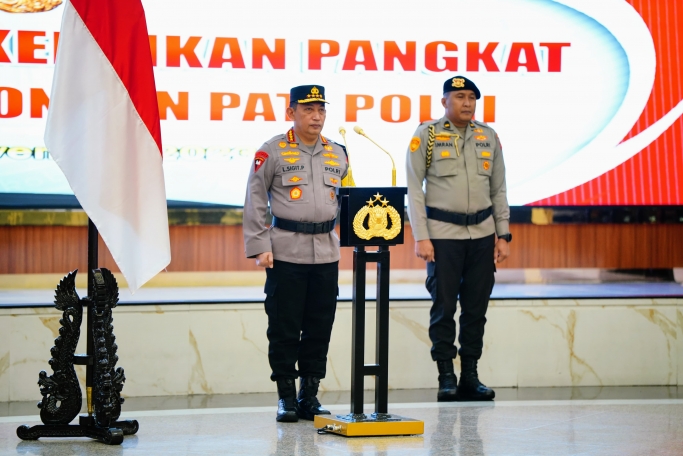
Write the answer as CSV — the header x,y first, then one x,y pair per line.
x,y
312,97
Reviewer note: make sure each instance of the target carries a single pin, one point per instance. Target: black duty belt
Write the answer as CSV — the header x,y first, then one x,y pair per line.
x,y
304,227
458,219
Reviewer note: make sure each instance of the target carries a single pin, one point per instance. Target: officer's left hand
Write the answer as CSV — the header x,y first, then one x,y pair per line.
x,y
501,251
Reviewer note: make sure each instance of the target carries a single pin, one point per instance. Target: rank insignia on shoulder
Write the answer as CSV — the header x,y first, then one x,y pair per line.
x,y
295,179
292,160
478,130
331,163
330,155
481,138
259,159
414,143
295,193
282,144
328,147
487,165
445,153
290,152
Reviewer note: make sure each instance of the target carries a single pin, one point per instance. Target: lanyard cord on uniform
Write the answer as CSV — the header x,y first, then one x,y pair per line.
x,y
430,143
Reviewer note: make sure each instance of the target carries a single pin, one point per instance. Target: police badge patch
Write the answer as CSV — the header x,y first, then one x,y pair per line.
x,y
414,143
259,159
295,193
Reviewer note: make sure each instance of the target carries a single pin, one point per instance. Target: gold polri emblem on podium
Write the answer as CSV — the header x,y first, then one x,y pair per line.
x,y
378,220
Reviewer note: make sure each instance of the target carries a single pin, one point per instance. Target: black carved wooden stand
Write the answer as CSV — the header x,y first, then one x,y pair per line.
x,y
62,397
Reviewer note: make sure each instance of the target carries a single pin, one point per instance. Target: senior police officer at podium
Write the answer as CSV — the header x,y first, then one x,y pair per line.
x,y
298,173
460,221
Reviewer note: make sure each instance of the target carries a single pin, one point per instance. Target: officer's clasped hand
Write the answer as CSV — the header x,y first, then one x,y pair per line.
x,y
265,260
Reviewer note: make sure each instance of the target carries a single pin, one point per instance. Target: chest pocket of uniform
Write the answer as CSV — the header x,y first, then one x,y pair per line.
x,y
295,186
332,182
295,178
484,162
332,167
445,163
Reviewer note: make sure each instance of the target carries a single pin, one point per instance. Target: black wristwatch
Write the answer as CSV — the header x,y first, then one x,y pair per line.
x,y
507,237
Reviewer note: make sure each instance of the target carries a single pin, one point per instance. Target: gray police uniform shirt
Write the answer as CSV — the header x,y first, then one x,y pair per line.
x,y
466,180
301,186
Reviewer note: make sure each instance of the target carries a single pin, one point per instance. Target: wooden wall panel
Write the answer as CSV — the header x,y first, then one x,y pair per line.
x,y
59,249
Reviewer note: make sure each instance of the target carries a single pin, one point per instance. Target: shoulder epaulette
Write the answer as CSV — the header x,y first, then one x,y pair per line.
x,y
428,122
340,145
276,138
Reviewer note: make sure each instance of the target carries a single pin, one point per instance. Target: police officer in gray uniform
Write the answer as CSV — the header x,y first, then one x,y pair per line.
x,y
298,173
455,221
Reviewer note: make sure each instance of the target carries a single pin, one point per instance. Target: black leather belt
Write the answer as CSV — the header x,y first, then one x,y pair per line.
x,y
304,227
458,219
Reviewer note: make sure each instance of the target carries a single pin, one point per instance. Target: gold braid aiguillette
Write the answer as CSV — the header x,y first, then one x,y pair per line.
x,y
430,145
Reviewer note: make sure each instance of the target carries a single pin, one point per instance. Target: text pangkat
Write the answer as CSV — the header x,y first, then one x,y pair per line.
x,y
172,51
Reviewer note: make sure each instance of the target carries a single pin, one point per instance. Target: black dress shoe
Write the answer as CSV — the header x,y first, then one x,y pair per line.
x,y
286,405
308,405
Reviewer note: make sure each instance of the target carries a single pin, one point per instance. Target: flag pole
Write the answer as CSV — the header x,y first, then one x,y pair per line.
x,y
93,258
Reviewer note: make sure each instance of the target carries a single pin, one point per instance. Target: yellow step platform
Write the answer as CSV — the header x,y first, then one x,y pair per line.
x,y
368,426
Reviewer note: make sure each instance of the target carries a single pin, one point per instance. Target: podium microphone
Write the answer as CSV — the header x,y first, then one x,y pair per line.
x,y
360,131
348,180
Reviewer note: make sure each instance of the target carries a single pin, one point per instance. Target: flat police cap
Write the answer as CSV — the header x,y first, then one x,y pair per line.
x,y
307,94
460,83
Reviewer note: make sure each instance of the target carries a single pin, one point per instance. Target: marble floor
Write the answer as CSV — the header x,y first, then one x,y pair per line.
x,y
397,292
528,421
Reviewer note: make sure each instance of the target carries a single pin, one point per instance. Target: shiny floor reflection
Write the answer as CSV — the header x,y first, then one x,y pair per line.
x,y
651,425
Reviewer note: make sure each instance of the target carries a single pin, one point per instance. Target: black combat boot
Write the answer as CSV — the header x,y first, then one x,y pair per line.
x,y
448,382
308,404
286,406
470,388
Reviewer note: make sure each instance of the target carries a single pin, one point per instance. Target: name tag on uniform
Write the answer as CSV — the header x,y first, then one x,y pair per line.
x,y
288,168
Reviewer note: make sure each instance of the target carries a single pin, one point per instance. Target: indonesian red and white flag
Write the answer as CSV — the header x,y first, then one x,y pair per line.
x,y
103,131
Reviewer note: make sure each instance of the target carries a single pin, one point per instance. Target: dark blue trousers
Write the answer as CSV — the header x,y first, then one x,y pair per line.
x,y
301,300
462,270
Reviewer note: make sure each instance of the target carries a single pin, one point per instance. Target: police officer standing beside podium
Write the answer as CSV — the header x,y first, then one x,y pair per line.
x,y
460,222
298,173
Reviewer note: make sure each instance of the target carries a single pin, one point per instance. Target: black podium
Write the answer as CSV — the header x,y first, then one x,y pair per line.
x,y
370,216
